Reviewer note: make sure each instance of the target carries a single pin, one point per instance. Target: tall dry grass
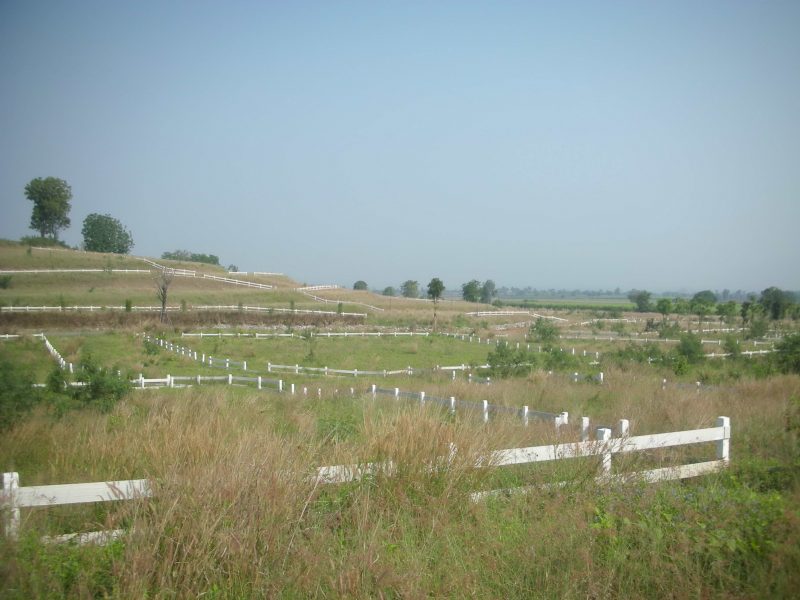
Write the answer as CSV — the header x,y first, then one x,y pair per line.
x,y
236,513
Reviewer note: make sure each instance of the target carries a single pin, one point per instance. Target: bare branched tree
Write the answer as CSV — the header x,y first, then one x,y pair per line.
x,y
162,280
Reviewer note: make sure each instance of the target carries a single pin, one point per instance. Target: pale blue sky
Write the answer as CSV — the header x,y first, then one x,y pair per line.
x,y
563,144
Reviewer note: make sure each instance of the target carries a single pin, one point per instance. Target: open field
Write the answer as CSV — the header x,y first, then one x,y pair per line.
x,y
236,512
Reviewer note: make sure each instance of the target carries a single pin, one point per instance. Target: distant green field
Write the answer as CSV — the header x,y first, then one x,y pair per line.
x,y
572,303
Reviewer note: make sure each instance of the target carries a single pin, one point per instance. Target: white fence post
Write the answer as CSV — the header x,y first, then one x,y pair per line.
x,y
604,435
244,366
584,429
259,382
525,415
292,389
10,487
170,383
485,411
623,427
453,404
422,398
396,392
230,379
374,390
280,386
601,378
724,445
198,379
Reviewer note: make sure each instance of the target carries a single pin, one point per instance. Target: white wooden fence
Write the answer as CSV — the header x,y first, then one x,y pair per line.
x,y
15,497
329,301
352,334
218,308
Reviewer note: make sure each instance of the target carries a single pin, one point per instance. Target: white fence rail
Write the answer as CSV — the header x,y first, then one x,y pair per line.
x,y
14,498
329,301
606,447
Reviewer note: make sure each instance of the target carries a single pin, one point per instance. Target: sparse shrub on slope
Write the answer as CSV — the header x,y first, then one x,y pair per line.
x,y
16,394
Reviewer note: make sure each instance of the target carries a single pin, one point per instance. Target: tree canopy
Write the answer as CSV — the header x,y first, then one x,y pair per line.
x,y
50,197
104,233
641,298
471,291
488,291
410,289
775,302
435,289
360,285
388,291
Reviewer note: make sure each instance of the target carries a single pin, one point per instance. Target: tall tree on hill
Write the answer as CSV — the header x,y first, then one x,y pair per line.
x,y
50,197
103,233
435,290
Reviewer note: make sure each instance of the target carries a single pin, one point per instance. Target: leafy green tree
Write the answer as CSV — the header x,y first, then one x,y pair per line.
x,y
641,298
104,233
775,302
360,285
664,306
788,354
680,306
471,291
702,304
50,197
389,291
488,291
706,296
410,289
727,310
435,291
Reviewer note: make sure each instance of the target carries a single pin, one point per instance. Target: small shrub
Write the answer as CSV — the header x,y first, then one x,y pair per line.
x,y
5,282
17,396
543,331
128,305
505,361
102,387
691,348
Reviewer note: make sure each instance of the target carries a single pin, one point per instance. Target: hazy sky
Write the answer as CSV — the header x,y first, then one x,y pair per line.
x,y
560,144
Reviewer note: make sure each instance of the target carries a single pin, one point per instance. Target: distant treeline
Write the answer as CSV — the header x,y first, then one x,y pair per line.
x,y
209,259
515,293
